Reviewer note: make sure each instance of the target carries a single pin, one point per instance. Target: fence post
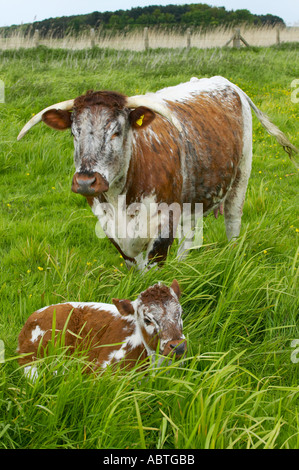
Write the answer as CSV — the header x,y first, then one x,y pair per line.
x,y
92,37
188,38
36,38
277,36
237,38
146,40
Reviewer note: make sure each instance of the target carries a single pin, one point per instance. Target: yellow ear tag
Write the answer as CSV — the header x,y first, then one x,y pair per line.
x,y
140,120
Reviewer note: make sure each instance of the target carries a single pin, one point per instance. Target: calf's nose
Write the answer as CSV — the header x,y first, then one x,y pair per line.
x,y
177,347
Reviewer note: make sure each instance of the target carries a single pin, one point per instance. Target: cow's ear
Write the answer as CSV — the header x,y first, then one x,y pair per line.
x,y
57,119
176,288
141,117
124,307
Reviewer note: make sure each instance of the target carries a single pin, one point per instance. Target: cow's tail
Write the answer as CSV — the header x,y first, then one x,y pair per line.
x,y
289,148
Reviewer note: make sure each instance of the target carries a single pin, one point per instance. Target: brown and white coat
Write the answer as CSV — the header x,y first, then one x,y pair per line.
x,y
190,143
124,332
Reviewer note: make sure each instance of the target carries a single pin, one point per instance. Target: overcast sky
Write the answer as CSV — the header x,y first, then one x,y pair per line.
x,y
26,11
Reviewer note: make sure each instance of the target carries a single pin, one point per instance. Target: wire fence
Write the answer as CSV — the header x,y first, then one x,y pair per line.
x,y
157,38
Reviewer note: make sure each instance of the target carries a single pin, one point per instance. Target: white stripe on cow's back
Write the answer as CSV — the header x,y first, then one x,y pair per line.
x,y
195,86
94,305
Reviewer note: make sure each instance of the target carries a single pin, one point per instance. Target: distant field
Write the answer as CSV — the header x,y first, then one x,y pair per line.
x,y
238,387
159,37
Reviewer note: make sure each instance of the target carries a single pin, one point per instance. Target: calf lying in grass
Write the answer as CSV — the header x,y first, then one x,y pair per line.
x,y
125,332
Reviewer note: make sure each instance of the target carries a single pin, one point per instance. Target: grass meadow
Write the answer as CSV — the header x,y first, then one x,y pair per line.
x,y
238,387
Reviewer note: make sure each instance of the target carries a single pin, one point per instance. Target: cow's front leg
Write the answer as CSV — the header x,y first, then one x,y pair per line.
x,y
130,262
163,227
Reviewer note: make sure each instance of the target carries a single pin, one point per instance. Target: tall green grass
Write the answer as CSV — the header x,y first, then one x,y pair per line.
x,y
238,387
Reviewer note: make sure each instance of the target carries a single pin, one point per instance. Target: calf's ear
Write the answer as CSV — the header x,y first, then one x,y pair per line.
x,y
176,288
124,307
141,117
57,119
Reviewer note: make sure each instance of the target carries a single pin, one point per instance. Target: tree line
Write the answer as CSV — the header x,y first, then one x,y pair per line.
x,y
181,16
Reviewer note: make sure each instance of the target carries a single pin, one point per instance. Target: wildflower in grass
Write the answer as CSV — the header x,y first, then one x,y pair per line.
x,y
259,171
40,268
88,263
8,205
28,271
27,174
297,230
265,252
53,187
121,264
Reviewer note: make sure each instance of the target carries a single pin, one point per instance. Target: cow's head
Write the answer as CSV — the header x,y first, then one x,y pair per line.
x,y
100,123
158,314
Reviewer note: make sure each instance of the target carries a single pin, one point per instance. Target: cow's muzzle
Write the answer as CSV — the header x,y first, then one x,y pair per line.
x,y
89,184
175,347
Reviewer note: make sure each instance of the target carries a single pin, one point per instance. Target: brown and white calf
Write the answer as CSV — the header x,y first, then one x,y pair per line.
x,y
186,144
124,331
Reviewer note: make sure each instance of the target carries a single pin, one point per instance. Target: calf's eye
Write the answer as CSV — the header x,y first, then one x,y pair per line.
x,y
116,134
147,321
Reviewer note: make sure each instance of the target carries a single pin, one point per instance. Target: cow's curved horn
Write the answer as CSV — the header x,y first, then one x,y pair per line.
x,y
64,105
158,107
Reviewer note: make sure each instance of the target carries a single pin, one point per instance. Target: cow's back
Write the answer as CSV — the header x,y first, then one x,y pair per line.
x,y
86,326
212,143
200,163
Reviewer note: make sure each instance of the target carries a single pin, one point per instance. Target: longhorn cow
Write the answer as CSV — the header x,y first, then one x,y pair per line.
x,y
190,143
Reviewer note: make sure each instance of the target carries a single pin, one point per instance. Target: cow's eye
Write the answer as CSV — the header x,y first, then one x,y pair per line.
x,y
147,321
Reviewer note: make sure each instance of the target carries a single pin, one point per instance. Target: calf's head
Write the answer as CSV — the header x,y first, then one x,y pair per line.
x,y
158,315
